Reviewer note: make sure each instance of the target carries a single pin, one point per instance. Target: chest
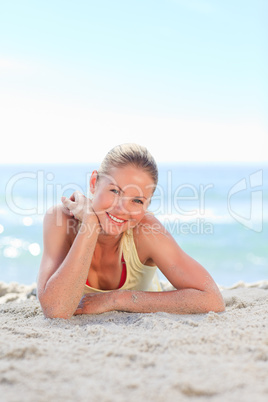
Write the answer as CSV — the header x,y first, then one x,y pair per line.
x,y
105,273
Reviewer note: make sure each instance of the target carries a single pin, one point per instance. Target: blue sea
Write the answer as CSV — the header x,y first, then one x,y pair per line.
x,y
217,213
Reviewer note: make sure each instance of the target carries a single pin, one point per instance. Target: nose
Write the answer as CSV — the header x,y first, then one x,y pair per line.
x,y
122,206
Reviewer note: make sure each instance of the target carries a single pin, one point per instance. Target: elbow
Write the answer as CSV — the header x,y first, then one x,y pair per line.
x,y
52,311
217,308
221,306
216,304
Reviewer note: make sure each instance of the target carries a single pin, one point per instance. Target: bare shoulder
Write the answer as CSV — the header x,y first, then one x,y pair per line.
x,y
56,211
59,231
58,220
150,228
148,236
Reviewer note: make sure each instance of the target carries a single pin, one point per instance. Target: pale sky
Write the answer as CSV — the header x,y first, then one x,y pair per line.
x,y
186,78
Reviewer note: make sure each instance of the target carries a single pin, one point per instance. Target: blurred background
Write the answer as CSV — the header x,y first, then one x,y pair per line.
x,y
185,78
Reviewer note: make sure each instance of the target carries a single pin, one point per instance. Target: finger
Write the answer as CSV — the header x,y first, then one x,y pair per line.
x,y
66,208
66,202
63,200
76,195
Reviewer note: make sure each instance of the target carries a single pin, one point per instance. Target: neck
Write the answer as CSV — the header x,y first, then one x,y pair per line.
x,y
108,242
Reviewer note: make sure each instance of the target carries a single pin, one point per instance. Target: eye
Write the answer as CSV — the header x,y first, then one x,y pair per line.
x,y
114,190
138,201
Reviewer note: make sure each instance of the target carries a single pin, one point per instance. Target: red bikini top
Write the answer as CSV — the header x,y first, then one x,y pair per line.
x,y
123,275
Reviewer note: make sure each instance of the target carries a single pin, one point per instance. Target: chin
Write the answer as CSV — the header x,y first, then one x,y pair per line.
x,y
115,230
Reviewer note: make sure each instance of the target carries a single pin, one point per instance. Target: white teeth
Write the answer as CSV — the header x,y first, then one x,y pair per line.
x,y
115,219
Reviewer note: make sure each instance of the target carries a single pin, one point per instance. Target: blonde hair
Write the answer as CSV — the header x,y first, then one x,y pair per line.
x,y
129,154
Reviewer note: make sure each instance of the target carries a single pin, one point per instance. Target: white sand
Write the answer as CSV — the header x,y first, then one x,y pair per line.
x,y
135,357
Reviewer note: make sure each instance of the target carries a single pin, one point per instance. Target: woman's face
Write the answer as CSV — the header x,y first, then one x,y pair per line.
x,y
121,198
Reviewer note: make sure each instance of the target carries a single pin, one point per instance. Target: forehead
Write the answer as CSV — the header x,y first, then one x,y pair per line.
x,y
131,178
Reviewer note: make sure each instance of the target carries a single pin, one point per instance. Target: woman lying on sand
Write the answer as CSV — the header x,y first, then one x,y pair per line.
x,y
101,254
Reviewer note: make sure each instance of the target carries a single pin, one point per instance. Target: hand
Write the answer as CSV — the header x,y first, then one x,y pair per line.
x,y
96,303
78,206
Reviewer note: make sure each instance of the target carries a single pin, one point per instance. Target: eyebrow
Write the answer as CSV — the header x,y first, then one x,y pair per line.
x,y
138,196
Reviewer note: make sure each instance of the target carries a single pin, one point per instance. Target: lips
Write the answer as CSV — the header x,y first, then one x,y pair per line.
x,y
115,219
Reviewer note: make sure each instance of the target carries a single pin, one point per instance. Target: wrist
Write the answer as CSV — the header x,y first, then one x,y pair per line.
x,y
90,224
89,217
118,299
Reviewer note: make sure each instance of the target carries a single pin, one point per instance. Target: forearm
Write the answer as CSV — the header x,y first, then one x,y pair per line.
x,y
185,301
64,288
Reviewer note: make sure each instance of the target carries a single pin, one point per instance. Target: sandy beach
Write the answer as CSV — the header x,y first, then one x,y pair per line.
x,y
122,356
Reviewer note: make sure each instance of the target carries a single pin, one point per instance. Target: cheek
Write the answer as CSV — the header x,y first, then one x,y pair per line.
x,y
102,201
138,215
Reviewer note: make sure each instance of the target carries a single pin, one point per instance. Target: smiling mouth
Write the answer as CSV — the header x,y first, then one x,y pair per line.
x,y
115,219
